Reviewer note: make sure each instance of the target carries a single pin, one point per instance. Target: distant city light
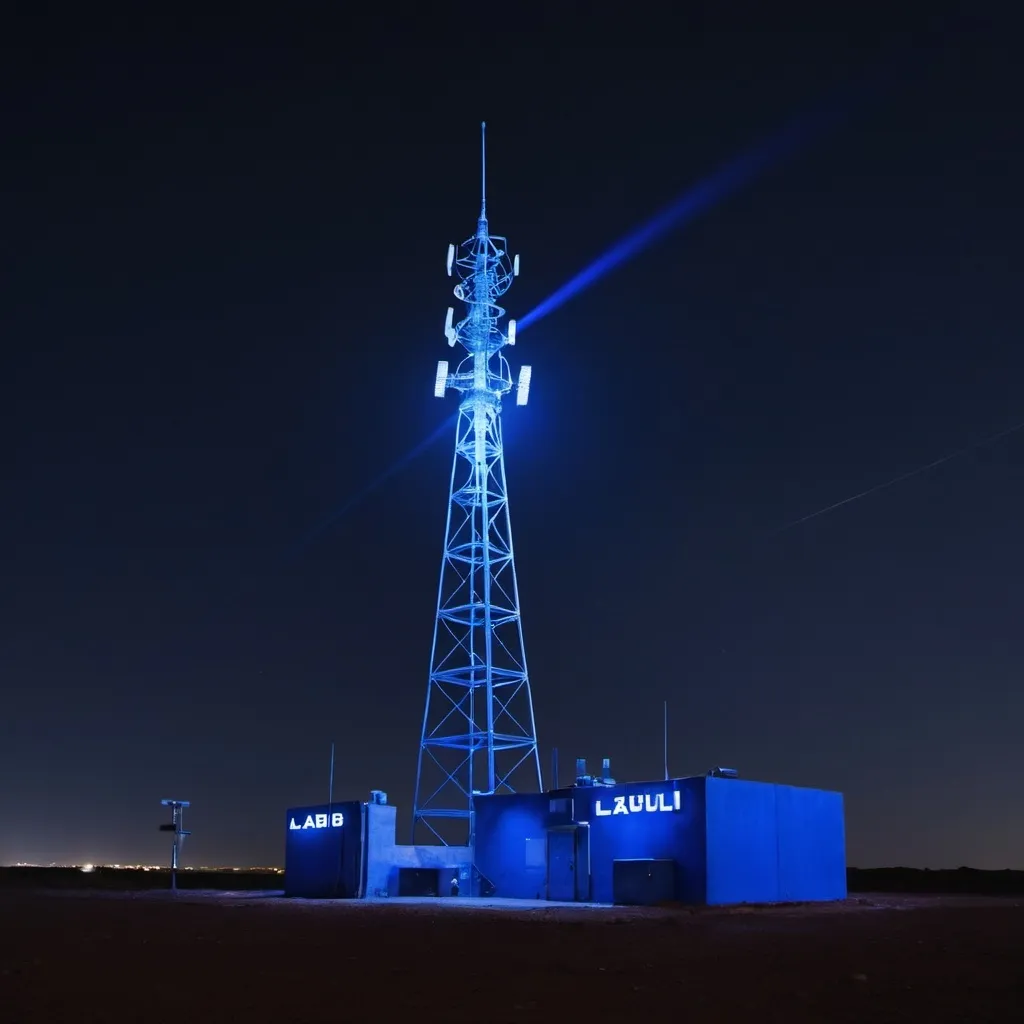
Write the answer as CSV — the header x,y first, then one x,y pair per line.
x,y
92,868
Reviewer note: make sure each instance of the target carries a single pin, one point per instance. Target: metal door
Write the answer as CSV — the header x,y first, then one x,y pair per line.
x,y
562,866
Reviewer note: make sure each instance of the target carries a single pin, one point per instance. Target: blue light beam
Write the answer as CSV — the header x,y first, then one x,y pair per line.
x,y
336,516
794,136
985,441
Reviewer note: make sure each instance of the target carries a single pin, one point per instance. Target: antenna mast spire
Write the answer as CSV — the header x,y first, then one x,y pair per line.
x,y
483,169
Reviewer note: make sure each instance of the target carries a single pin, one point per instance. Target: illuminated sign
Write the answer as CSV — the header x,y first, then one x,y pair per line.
x,y
335,820
637,803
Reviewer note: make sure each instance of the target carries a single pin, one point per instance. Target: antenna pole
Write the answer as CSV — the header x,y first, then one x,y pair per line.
x,y
176,826
483,168
665,739
330,783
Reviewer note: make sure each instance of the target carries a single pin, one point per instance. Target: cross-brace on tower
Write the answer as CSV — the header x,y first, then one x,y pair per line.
x,y
479,735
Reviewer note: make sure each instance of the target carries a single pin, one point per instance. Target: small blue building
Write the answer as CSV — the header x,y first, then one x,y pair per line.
x,y
323,851
348,851
701,840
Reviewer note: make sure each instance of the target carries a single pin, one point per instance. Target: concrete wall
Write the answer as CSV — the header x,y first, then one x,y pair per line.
x,y
634,820
742,842
770,844
384,857
511,842
323,862
812,844
647,820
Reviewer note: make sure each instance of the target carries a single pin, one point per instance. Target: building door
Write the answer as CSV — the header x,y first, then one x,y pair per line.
x,y
562,866
582,866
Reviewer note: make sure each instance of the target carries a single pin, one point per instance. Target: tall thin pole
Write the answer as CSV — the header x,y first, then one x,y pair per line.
x,y
180,832
483,168
330,783
665,739
174,857
176,818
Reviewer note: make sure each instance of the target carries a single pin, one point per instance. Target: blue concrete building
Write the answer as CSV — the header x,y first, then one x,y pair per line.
x,y
701,840
324,851
348,851
704,840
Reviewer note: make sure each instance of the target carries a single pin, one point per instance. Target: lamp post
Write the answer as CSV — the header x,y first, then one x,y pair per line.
x,y
175,826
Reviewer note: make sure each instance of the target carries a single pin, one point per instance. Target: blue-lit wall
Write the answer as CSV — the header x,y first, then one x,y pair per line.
x,y
385,859
812,844
769,843
348,851
731,841
656,820
631,821
511,843
323,851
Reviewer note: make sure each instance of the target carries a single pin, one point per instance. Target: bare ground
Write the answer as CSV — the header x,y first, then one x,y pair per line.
x,y
151,957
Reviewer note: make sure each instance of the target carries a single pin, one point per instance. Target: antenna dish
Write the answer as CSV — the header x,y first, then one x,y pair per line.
x,y
451,257
459,293
511,332
449,331
515,265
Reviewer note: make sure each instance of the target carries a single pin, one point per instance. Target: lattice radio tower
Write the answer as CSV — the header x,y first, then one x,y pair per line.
x,y
479,735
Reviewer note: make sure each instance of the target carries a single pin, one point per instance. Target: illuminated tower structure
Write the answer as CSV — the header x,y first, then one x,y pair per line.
x,y
479,735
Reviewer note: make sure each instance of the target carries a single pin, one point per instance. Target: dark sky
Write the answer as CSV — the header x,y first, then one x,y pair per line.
x,y
222,307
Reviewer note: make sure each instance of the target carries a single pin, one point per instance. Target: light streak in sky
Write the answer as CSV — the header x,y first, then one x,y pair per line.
x,y
903,476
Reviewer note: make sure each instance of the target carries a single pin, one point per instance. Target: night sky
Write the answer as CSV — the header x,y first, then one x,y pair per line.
x,y
223,298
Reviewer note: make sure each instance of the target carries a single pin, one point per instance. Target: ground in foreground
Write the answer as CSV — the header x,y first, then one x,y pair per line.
x,y
113,957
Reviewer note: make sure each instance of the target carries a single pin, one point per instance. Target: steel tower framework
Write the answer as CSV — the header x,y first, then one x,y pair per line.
x,y
479,734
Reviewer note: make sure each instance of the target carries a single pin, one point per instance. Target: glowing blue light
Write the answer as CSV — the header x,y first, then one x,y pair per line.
x,y
396,467
640,803
523,388
694,201
334,819
441,379
728,179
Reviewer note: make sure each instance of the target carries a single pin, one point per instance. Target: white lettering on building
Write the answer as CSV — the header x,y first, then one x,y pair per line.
x,y
336,820
640,803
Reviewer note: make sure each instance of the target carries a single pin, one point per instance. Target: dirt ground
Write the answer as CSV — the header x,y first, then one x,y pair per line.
x,y
153,957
